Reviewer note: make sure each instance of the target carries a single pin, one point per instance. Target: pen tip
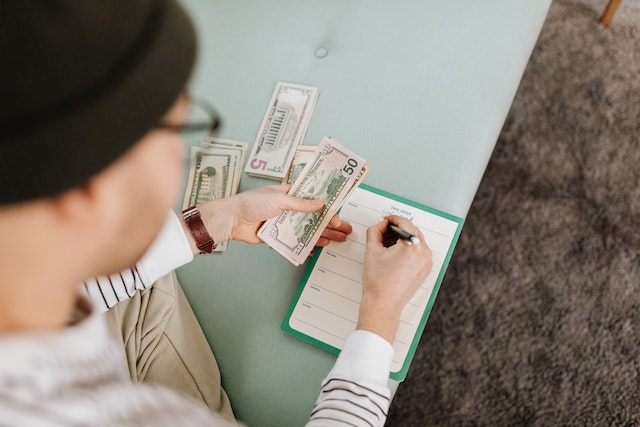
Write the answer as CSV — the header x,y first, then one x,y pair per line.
x,y
414,240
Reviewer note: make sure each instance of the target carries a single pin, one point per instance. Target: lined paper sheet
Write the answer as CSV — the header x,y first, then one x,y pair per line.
x,y
325,310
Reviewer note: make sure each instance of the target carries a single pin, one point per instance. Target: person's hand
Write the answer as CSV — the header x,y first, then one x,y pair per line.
x,y
391,277
239,217
336,231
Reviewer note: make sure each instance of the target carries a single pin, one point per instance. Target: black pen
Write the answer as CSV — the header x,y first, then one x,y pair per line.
x,y
411,239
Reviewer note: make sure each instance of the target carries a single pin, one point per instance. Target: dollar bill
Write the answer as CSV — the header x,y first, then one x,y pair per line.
x,y
302,156
282,130
237,149
331,175
214,173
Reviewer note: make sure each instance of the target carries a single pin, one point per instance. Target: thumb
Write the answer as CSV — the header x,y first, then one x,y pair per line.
x,y
301,205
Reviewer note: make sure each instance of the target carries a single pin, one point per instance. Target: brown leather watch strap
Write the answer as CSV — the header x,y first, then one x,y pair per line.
x,y
199,232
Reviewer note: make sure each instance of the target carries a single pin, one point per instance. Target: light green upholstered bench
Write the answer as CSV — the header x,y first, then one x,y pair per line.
x,y
419,88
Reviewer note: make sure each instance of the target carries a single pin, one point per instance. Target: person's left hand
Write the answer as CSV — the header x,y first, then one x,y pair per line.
x,y
239,217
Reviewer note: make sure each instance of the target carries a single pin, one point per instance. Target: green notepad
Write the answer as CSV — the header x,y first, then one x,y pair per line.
x,y
325,309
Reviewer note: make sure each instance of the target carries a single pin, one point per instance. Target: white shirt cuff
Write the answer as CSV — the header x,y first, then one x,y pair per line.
x,y
169,251
365,356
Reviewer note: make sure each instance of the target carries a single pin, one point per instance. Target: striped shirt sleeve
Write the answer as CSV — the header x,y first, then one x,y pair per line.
x,y
356,392
169,251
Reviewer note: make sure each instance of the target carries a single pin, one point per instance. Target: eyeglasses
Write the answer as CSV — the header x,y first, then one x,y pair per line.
x,y
209,127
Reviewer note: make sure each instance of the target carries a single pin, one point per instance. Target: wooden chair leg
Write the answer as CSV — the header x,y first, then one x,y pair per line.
x,y
609,12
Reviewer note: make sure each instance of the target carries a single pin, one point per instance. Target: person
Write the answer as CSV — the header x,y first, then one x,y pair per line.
x,y
91,162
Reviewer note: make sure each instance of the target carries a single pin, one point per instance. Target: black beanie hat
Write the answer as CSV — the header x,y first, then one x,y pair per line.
x,y
80,82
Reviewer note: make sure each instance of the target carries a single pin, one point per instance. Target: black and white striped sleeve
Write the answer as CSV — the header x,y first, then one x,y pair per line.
x,y
356,392
169,251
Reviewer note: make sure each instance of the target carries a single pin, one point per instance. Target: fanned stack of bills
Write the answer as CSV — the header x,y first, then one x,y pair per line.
x,y
331,175
215,172
282,130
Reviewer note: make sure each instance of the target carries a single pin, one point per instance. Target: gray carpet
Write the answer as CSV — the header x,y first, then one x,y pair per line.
x,y
538,319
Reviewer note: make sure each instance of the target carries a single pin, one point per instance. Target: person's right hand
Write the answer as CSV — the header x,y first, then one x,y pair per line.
x,y
391,277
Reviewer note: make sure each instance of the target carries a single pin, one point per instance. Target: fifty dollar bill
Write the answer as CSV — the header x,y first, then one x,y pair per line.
x,y
331,175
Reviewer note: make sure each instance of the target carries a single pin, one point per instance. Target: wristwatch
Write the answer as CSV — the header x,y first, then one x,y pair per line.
x,y
199,232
